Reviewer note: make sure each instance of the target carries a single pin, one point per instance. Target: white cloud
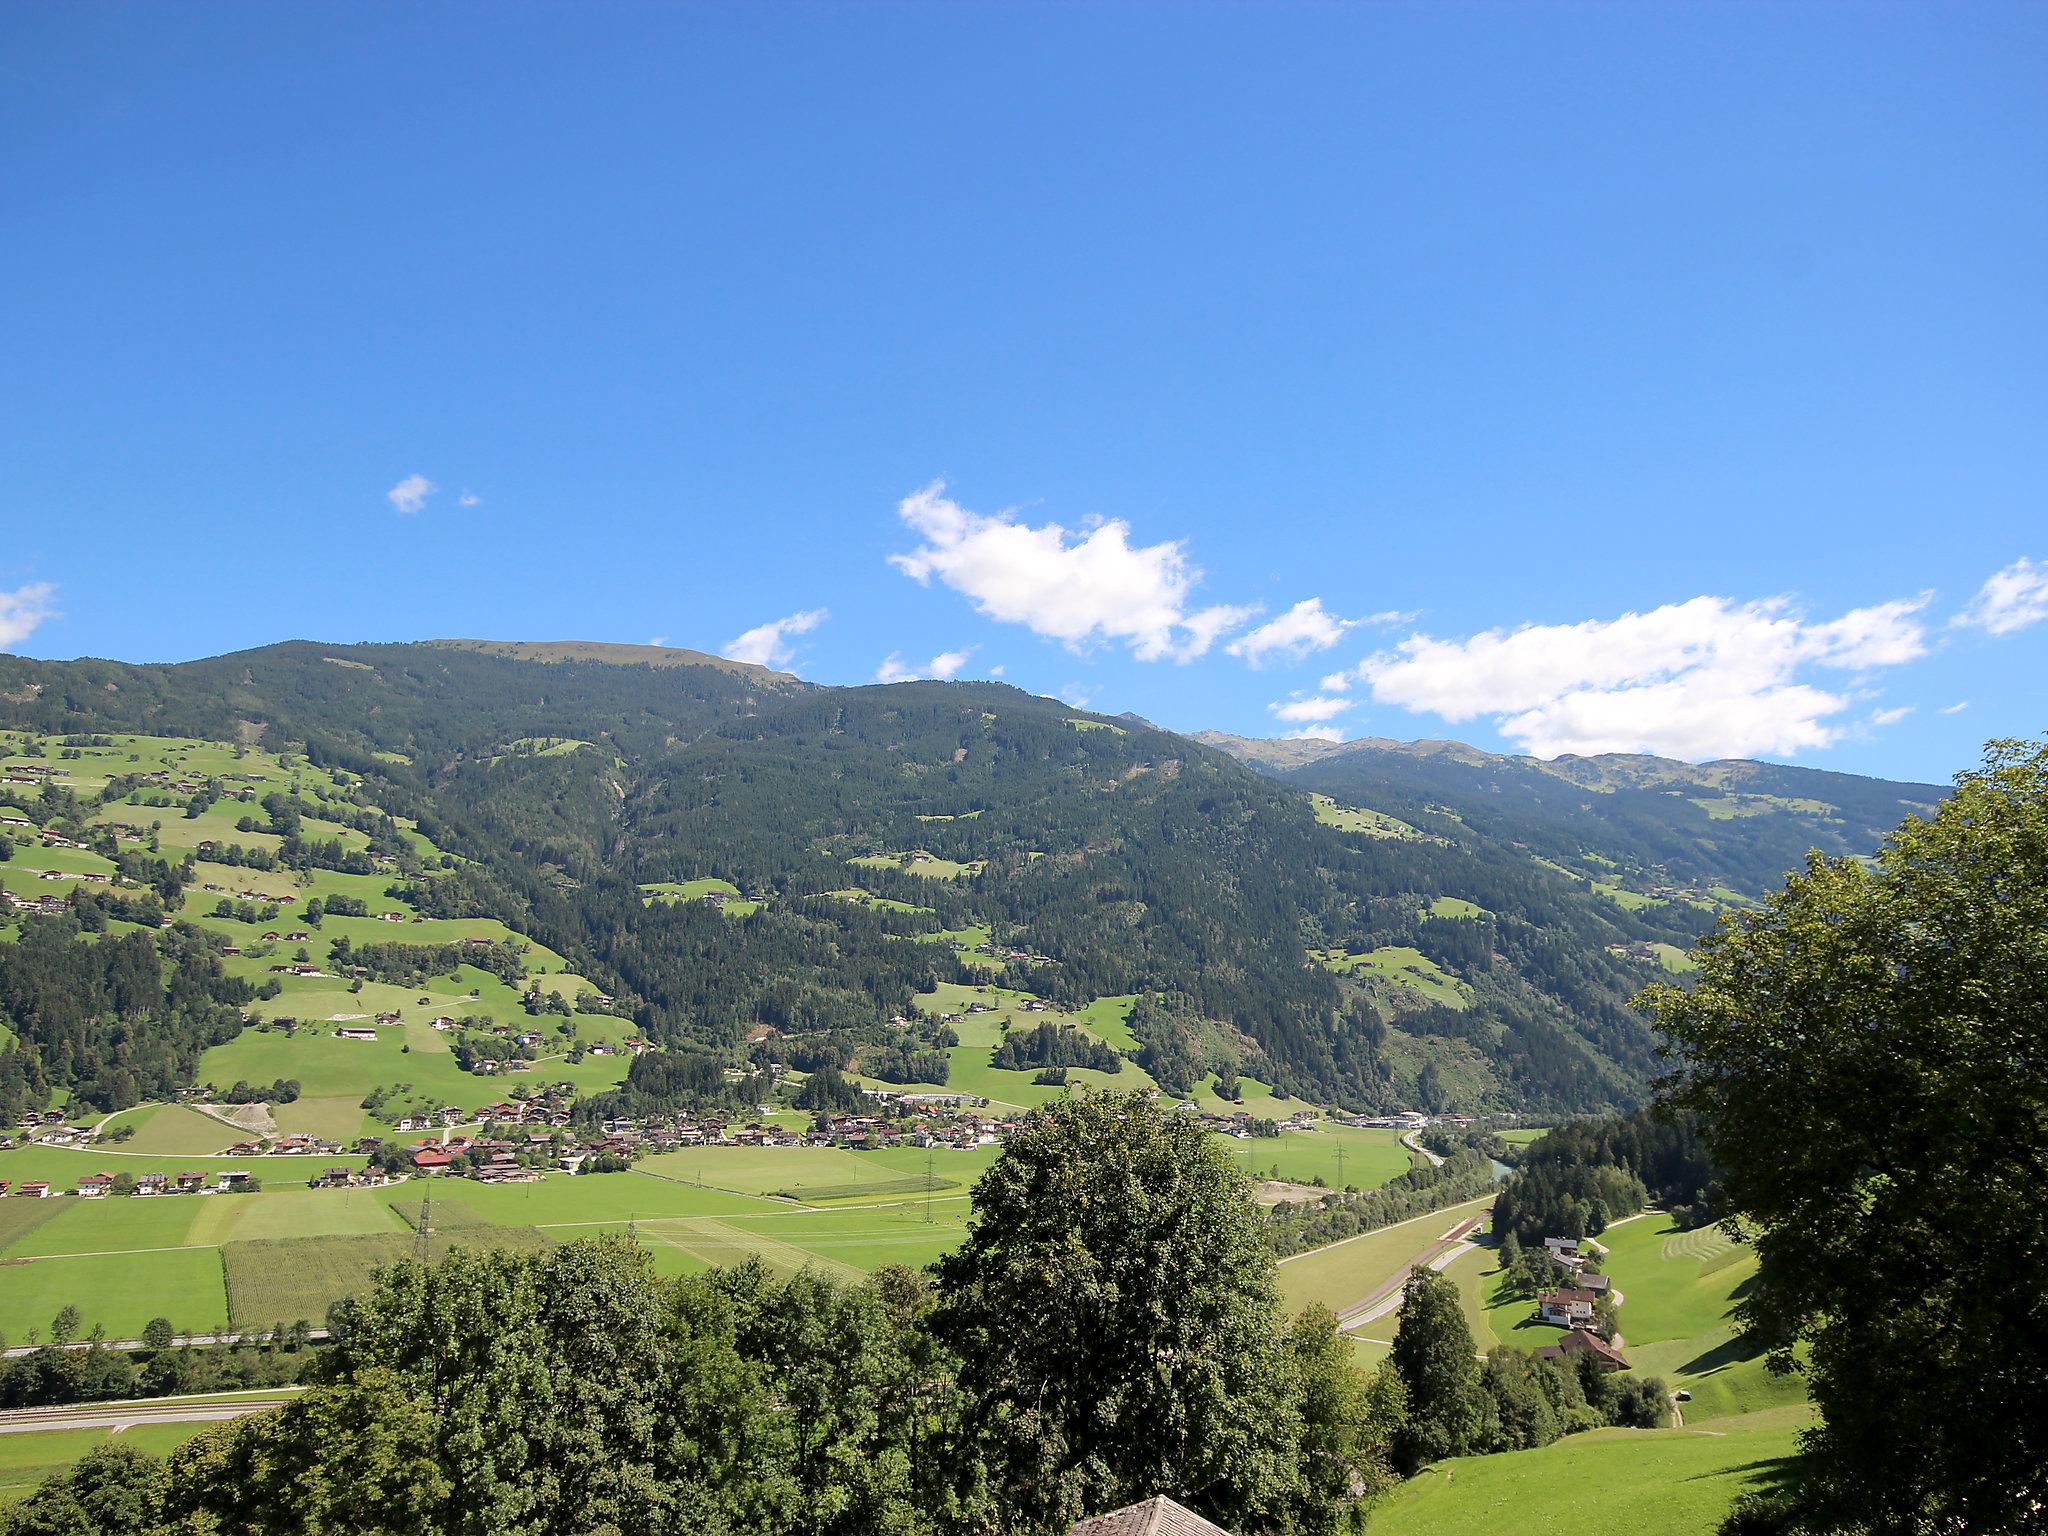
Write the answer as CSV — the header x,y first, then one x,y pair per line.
x,y
1956,708
944,665
1336,682
2011,600
469,499
1303,628
767,645
1705,678
657,639
1314,733
23,609
411,493
1392,618
1077,589
1314,708
1076,695
996,671
1882,717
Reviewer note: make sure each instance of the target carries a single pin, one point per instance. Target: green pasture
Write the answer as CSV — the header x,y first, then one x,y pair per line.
x,y
689,890
1627,900
1455,906
1659,1482
1349,818
1674,959
118,1292
1403,965
1370,1156
927,867
175,1129
283,1280
27,1458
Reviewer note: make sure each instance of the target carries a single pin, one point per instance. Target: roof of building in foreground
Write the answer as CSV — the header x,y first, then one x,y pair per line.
x,y
1158,1516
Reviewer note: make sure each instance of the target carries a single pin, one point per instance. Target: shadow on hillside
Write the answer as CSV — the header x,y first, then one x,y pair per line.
x,y
1770,1474
1729,1352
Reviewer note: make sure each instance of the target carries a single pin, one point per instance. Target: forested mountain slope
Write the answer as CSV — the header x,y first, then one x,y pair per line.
x,y
1436,942
1648,825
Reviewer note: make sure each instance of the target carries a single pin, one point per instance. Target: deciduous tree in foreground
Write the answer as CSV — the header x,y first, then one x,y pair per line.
x,y
1869,1057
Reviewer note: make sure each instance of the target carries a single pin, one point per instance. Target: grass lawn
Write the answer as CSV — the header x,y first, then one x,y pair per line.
x,y
1370,1156
1659,1482
27,1458
1678,1285
122,1292
594,1199
173,1128
771,1170
301,1277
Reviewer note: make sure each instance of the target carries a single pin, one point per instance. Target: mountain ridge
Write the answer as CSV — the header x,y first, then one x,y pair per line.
x,y
1377,928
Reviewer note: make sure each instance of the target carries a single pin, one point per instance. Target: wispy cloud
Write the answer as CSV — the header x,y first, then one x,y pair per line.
x,y
2011,600
1075,588
1705,678
1956,708
411,493
894,669
469,499
1290,637
23,610
1314,733
1883,717
767,645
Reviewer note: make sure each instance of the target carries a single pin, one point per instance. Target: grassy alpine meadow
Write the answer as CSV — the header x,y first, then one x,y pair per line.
x,y
1402,965
734,905
920,862
1658,1482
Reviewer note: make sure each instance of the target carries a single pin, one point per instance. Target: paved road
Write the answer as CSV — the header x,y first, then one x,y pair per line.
x,y
1387,1294
1408,1140
183,1338
19,1421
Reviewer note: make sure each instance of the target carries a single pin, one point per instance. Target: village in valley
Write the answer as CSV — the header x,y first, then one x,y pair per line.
x,y
405,1076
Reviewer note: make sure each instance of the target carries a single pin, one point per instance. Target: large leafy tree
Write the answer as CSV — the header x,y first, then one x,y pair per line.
x,y
1115,1317
1869,1057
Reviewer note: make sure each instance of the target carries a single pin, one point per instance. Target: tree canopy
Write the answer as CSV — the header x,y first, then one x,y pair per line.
x,y
1865,1053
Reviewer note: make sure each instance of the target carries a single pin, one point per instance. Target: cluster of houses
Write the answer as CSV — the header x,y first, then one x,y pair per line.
x,y
1575,1308
97,1186
35,906
1407,1120
1238,1122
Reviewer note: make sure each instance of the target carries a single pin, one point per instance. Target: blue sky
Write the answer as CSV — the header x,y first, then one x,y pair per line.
x,y
1551,377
